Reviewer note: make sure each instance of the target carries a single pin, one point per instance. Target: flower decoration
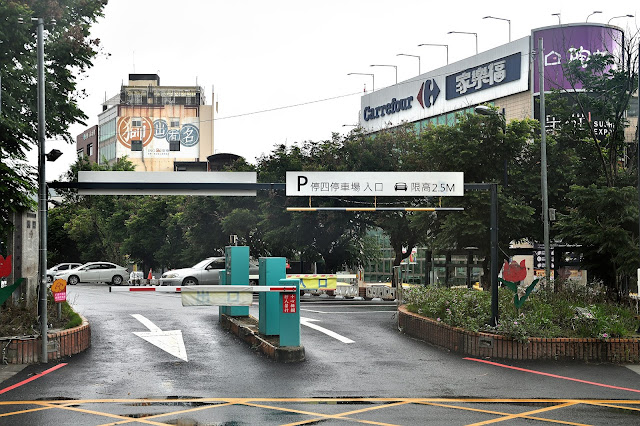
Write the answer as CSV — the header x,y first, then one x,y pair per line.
x,y
513,271
5,266
512,274
5,271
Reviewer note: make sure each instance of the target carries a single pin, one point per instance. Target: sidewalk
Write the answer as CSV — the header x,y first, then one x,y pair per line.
x,y
8,371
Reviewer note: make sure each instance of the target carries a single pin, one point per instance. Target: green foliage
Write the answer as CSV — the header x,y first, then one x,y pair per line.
x,y
571,312
69,52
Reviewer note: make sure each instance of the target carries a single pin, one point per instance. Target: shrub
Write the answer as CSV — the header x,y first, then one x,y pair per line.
x,y
573,311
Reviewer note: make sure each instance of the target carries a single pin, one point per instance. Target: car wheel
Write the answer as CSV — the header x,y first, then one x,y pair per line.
x,y
73,280
49,279
190,281
116,280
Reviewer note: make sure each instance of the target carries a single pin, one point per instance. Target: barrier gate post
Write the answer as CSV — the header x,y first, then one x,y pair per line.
x,y
290,314
236,272
272,270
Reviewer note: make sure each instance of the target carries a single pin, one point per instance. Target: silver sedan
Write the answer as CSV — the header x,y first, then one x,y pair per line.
x,y
106,272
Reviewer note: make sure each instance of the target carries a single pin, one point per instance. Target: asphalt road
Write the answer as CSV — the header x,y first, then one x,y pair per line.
x,y
358,367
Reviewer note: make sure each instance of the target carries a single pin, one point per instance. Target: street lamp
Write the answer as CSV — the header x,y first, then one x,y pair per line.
x,y
414,56
621,16
394,66
502,19
442,45
373,77
464,32
42,187
558,16
485,110
592,13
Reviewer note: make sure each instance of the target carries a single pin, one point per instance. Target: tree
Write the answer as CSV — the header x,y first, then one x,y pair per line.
x,y
600,209
479,146
69,51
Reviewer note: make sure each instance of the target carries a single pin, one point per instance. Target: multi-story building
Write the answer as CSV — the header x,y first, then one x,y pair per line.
x,y
507,77
158,128
87,144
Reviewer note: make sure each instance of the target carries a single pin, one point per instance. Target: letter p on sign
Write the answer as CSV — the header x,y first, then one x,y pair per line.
x,y
302,181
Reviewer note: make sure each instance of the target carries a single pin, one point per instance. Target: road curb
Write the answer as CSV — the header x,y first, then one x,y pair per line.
x,y
246,328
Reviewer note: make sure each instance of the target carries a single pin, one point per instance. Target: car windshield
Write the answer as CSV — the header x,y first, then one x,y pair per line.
x,y
202,263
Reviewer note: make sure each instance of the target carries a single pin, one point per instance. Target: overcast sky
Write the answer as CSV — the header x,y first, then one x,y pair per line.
x,y
278,69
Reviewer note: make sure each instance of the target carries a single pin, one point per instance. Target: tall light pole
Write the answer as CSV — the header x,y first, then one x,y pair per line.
x,y
464,32
558,16
442,45
414,56
373,77
394,66
501,19
42,194
485,110
621,16
592,13
543,165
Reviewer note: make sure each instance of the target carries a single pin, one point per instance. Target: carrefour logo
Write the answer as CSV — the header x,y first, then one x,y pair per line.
x,y
396,105
428,93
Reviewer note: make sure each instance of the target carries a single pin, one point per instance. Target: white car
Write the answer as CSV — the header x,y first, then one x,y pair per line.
x,y
206,272
60,268
94,272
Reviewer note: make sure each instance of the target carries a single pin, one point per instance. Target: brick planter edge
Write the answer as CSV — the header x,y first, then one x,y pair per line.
x,y
60,344
486,345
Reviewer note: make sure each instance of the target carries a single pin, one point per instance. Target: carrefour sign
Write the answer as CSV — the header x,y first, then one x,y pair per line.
x,y
489,75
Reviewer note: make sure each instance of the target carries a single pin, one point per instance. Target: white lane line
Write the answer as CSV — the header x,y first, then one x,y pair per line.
x,y
308,322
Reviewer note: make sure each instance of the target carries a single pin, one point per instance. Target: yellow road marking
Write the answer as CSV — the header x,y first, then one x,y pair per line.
x,y
520,415
499,413
380,403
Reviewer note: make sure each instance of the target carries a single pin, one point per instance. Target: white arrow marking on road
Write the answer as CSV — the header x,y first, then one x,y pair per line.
x,y
168,341
308,323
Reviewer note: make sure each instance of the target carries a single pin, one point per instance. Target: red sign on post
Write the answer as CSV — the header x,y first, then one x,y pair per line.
x,y
60,296
289,303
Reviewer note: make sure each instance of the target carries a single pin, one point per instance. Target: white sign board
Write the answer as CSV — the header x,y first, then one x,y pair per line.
x,y
380,184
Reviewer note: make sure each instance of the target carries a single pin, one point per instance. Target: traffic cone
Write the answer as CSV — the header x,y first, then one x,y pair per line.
x,y
150,277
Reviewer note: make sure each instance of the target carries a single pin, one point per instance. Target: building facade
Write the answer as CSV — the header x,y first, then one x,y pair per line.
x,y
87,144
507,77
156,126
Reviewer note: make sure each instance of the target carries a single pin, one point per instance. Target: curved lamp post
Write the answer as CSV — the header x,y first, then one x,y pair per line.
x,y
442,45
414,56
373,77
592,13
464,32
394,66
501,19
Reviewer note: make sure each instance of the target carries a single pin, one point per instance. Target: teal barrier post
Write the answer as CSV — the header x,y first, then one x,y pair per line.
x,y
237,273
272,270
290,314
223,310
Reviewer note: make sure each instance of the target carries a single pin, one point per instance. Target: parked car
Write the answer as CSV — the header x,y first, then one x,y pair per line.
x,y
106,272
59,268
206,272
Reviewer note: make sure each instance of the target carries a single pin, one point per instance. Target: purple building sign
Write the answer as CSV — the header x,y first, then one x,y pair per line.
x,y
565,43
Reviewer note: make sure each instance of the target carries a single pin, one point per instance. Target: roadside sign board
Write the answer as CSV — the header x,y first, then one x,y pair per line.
x,y
59,290
380,184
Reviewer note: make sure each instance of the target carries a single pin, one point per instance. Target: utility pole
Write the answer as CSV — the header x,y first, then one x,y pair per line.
x,y
543,165
42,196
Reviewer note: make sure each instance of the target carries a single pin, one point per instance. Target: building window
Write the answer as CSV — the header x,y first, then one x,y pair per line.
x,y
80,152
136,122
136,145
89,149
174,122
174,145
